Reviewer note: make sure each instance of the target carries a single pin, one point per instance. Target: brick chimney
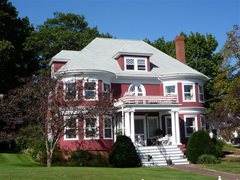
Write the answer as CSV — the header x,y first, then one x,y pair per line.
x,y
180,49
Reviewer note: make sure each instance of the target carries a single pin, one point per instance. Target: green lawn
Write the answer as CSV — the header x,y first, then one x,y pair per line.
x,y
228,164
18,166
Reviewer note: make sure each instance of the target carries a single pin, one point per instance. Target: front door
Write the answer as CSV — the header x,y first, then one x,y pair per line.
x,y
152,126
139,123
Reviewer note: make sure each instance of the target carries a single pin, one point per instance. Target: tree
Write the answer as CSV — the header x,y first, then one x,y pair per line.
x,y
16,62
64,31
225,114
40,104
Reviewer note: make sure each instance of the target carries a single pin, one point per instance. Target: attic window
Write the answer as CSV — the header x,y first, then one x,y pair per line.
x,y
130,64
135,63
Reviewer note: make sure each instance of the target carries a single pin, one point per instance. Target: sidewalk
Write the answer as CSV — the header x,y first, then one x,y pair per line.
x,y
209,172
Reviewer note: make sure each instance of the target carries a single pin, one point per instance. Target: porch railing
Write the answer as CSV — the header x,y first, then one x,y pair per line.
x,y
131,99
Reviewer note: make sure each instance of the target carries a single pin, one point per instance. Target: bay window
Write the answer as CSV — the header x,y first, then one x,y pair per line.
x,y
188,92
190,125
70,90
90,90
201,93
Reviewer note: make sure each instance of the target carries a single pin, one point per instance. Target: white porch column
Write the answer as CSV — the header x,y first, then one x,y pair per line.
x,y
173,127
177,127
132,126
127,123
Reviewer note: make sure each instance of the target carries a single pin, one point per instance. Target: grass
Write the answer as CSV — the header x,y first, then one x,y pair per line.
x,y
228,164
19,166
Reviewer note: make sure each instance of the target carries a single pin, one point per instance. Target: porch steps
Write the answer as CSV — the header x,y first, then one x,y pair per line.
x,y
157,156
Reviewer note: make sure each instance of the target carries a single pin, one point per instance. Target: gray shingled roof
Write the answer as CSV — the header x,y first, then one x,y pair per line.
x,y
99,55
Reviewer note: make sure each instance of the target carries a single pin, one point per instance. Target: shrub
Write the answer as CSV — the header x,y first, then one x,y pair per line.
x,y
86,158
207,159
57,159
124,154
199,143
218,147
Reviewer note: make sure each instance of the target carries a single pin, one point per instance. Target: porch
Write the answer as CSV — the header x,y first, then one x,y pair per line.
x,y
145,119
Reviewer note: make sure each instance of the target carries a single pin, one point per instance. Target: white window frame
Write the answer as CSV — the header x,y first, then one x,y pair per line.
x,y
135,60
195,125
96,127
67,128
135,93
96,90
104,128
170,94
193,91
200,86
65,87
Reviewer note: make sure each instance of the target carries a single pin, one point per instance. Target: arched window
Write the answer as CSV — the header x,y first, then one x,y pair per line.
x,y
137,90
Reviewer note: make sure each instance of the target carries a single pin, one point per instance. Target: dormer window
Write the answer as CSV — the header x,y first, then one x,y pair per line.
x,y
135,63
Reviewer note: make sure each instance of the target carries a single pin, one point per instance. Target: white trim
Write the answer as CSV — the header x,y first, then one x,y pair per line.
x,y
195,125
66,128
111,127
96,90
96,127
135,63
193,91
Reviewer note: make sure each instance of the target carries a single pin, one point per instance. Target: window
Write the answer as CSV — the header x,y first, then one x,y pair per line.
x,y
107,128
190,125
106,91
189,94
70,90
90,90
137,90
170,90
141,64
119,125
130,64
70,129
135,64
203,122
201,94
91,127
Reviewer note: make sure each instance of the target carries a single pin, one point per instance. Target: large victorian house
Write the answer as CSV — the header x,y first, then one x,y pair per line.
x,y
152,92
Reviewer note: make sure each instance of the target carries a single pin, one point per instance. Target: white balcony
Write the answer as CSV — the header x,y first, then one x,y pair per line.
x,y
131,99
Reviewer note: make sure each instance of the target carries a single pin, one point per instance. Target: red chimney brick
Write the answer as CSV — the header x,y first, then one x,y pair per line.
x,y
180,49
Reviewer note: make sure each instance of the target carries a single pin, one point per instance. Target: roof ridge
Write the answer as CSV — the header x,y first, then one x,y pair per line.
x,y
116,39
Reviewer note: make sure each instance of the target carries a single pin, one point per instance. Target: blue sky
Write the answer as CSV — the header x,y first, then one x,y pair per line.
x,y
139,19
